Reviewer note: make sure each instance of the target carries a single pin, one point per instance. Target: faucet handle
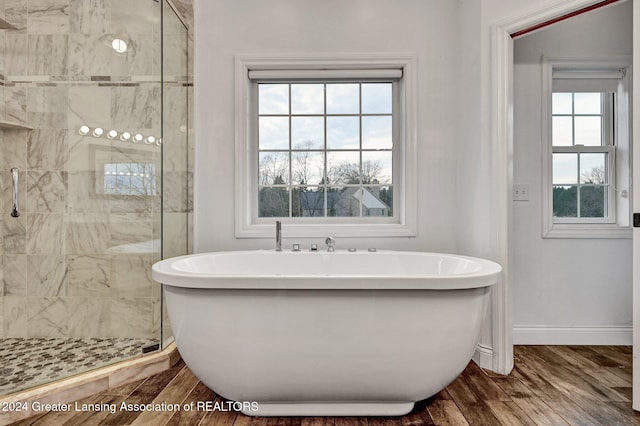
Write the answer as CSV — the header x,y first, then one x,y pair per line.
x,y
330,242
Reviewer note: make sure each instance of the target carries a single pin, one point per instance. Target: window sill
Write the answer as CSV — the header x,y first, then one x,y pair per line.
x,y
341,230
587,231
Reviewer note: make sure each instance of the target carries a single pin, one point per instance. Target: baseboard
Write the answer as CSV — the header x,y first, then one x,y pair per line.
x,y
483,356
550,335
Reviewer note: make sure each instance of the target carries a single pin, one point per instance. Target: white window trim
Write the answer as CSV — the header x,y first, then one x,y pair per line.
x,y
247,225
620,229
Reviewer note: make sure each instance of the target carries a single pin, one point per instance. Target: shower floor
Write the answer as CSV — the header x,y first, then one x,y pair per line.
x,y
25,363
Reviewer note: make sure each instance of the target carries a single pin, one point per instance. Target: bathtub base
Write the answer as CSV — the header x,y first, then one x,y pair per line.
x,y
331,409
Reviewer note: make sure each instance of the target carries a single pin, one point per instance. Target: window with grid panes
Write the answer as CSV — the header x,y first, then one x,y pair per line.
x,y
586,154
325,148
583,156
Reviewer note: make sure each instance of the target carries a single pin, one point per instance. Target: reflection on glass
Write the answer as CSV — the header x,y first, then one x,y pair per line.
x,y
273,202
343,133
593,201
588,131
561,103
565,169
273,168
376,98
377,132
307,201
137,179
273,133
273,98
307,132
307,99
587,103
592,168
565,201
562,131
343,167
343,98
307,167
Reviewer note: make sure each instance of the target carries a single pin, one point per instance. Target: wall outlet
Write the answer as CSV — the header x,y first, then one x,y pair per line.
x,y
520,192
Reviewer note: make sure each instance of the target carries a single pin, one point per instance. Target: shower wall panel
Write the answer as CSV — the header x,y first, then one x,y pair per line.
x,y
76,262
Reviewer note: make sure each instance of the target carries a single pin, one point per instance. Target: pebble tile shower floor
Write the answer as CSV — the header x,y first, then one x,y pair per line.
x,y
25,363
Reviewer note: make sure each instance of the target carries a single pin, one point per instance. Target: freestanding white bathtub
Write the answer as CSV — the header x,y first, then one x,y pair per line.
x,y
317,333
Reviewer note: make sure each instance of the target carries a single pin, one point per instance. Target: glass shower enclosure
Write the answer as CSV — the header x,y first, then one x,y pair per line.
x,y
94,126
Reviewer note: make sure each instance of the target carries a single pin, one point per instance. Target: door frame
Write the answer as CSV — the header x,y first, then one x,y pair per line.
x,y
502,174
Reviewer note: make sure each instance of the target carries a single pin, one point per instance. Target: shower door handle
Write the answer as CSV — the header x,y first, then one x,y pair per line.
x,y
14,178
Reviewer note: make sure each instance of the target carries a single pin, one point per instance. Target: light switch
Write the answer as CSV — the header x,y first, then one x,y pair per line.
x,y
520,192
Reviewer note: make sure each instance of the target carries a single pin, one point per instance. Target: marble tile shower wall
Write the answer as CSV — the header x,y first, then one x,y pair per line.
x,y
77,261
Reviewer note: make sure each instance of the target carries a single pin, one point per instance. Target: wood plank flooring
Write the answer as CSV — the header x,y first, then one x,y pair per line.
x,y
550,385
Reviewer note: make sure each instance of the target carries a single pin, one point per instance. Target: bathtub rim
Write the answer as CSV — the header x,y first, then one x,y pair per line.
x,y
488,275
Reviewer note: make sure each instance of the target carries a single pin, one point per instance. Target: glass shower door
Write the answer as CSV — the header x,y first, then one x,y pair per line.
x,y
82,122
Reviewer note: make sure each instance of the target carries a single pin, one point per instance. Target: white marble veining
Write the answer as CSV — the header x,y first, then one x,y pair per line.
x,y
48,17
88,105
175,192
48,54
16,53
46,275
15,11
88,233
175,48
125,311
185,9
13,152
90,16
89,275
175,228
88,317
131,204
135,107
14,274
15,99
140,16
14,235
132,276
90,54
82,196
45,233
15,316
127,228
46,192
47,149
47,317
140,58
47,107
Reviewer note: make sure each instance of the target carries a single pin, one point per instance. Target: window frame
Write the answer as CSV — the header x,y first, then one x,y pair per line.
x,y
616,225
404,221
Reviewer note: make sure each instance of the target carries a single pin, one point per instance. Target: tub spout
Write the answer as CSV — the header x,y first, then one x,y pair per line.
x,y
278,235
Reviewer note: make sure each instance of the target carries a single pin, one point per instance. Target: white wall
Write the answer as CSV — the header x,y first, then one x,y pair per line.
x,y
225,28
564,290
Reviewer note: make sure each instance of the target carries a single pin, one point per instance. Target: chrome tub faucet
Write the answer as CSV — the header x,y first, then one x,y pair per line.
x,y
278,235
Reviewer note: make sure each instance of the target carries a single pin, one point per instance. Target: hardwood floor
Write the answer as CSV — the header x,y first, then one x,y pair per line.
x,y
550,385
